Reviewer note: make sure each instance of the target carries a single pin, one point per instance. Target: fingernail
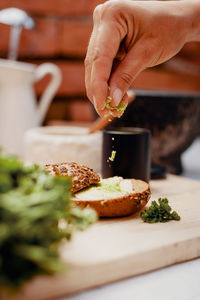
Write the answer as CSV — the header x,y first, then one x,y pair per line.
x,y
117,96
95,104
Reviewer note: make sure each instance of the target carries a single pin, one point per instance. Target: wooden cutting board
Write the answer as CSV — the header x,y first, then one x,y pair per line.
x,y
115,249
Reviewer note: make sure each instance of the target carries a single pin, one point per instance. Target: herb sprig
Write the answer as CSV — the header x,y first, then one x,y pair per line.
x,y
159,212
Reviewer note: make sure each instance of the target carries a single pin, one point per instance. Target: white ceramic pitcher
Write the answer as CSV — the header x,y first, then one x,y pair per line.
x,y
18,108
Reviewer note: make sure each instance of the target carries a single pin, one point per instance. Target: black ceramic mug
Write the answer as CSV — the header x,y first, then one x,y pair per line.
x,y
126,153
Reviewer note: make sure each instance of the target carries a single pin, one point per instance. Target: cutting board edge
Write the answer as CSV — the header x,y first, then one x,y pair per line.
x,y
94,278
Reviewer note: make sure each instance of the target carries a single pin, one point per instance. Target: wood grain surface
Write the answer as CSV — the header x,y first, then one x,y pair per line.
x,y
114,249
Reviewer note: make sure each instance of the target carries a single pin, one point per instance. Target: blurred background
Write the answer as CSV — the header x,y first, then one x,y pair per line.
x,y
61,34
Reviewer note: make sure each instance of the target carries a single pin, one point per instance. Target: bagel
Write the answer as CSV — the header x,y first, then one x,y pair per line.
x,y
114,196
81,176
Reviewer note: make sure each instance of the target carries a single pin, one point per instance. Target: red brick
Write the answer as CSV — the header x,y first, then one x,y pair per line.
x,y
58,110
51,37
43,40
53,7
75,37
4,40
81,111
73,79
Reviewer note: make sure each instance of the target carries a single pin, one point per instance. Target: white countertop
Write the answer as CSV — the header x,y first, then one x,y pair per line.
x,y
181,281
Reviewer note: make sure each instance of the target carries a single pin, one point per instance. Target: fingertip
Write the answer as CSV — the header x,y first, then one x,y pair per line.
x,y
100,91
99,107
96,105
131,96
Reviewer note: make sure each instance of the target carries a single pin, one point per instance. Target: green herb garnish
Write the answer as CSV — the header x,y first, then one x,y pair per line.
x,y
120,108
32,206
159,212
112,157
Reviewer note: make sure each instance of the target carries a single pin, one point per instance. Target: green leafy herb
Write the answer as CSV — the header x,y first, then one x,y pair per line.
x,y
33,204
159,212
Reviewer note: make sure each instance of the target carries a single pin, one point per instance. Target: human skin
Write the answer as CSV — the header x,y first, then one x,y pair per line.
x,y
130,36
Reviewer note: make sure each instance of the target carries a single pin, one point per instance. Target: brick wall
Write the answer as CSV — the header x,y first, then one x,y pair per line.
x,y
61,35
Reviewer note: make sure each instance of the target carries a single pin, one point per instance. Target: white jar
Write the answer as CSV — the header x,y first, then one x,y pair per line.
x,y
56,144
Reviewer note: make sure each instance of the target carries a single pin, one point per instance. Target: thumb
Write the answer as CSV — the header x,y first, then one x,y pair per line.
x,y
125,73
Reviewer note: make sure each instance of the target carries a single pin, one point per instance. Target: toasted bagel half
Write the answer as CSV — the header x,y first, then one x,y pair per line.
x,y
115,196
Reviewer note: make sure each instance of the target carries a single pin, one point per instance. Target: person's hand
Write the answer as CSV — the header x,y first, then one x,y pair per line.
x,y
129,36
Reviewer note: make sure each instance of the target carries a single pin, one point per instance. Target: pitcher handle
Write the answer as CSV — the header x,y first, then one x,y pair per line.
x,y
48,94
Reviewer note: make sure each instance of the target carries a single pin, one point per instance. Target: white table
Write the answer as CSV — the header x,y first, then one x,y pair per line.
x,y
180,281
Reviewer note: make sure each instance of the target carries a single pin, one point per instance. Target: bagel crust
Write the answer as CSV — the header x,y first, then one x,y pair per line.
x,y
81,176
121,206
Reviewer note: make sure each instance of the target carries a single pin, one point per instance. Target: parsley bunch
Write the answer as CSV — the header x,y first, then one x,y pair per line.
x,y
159,212
32,203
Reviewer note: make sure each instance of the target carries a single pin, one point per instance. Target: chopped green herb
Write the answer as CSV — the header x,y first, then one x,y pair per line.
x,y
32,205
120,108
159,212
112,157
